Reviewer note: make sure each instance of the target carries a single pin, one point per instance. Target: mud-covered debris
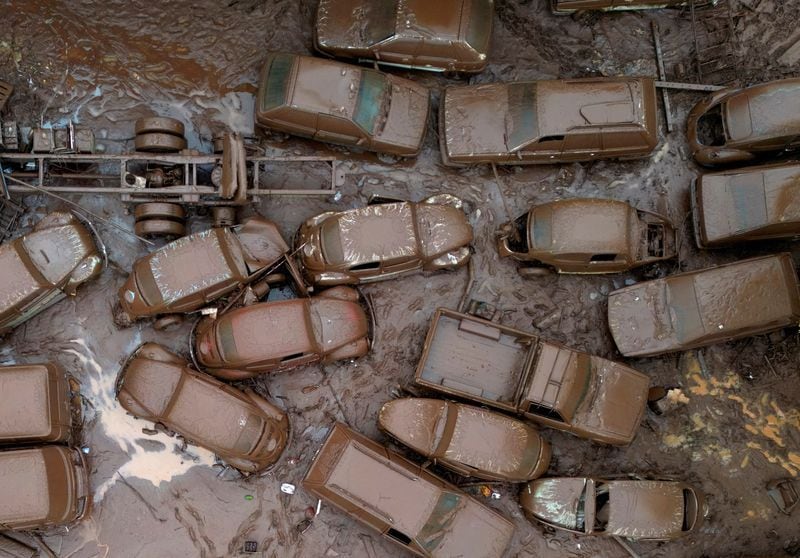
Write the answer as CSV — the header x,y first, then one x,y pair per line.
x,y
784,494
287,488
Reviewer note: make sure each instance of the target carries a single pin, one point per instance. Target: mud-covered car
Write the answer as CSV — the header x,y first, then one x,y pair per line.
x,y
384,240
195,270
633,509
241,427
754,203
471,441
284,334
44,266
34,404
738,124
343,104
699,308
446,35
586,236
546,122
404,502
571,6
42,487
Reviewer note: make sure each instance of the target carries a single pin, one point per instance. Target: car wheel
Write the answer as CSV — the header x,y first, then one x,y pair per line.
x,y
527,272
159,210
159,227
159,124
159,142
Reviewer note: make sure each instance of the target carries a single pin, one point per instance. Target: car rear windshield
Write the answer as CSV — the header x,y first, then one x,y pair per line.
x,y
276,82
480,25
372,93
437,526
522,126
382,18
542,228
250,435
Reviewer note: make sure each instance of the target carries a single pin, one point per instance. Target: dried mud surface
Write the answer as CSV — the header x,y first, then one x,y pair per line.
x,y
104,64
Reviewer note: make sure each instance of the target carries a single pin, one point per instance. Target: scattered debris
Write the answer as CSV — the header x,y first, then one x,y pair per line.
x,y
784,493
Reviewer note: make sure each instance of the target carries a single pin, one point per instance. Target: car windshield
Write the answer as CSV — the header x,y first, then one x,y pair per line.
x,y
542,228
276,82
582,383
480,24
330,241
436,528
522,124
684,309
372,94
250,435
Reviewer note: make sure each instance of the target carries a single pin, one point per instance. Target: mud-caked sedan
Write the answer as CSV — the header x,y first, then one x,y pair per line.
x,y
283,334
735,125
198,269
384,240
586,236
241,427
633,509
44,266
342,104
472,441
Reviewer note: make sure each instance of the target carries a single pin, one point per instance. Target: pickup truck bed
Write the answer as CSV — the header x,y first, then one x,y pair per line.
x,y
466,357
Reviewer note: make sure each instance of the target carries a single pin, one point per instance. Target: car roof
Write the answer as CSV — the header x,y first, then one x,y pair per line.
x,y
570,103
204,411
16,280
491,441
196,262
763,111
25,394
325,86
377,232
267,330
24,482
746,199
588,226
645,509
57,250
441,18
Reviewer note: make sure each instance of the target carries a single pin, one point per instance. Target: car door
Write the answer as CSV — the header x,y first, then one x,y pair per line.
x,y
543,149
398,266
335,129
294,120
435,54
398,50
582,144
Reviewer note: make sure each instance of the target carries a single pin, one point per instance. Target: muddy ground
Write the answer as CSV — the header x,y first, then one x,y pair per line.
x,y
104,64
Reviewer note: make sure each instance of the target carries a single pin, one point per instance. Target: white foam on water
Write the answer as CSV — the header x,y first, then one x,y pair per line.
x,y
153,466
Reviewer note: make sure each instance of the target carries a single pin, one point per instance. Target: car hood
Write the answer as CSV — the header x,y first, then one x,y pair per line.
x,y
554,501
473,119
618,401
442,229
407,118
639,319
339,323
645,509
414,422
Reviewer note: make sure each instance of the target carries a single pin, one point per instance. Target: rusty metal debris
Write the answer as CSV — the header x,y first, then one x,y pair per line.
x,y
714,35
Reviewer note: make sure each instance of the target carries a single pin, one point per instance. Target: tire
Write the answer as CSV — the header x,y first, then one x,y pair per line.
x,y
160,124
158,142
159,210
159,227
527,272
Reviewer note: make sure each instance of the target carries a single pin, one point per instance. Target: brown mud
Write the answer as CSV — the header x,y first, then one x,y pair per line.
x,y
105,64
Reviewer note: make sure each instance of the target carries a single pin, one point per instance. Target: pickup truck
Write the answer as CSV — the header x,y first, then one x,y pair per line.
x,y
517,372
